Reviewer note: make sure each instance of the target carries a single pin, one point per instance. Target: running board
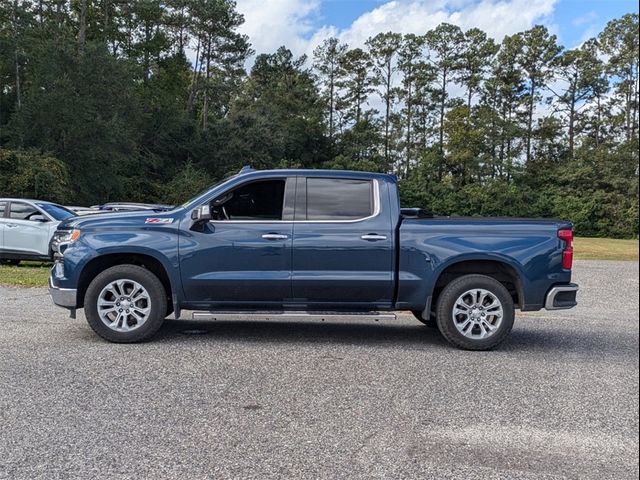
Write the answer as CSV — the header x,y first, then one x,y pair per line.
x,y
293,315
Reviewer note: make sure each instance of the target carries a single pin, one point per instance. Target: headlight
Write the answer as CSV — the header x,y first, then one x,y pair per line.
x,y
63,238
68,236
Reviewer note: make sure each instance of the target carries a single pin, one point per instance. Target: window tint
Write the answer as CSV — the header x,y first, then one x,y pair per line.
x,y
22,211
3,207
338,199
261,200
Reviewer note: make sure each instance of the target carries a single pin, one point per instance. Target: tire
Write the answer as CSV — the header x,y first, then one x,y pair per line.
x,y
476,298
10,262
132,290
431,323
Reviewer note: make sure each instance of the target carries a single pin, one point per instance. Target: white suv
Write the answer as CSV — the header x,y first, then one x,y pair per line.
x,y
26,228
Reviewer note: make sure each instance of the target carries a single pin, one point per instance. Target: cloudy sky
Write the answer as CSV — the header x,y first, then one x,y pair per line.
x,y
303,24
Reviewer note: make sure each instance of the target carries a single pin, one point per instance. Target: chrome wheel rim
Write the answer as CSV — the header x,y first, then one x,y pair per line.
x,y
477,314
124,305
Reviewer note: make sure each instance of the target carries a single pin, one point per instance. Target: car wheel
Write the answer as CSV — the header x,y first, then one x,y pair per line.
x,y
475,312
431,323
125,304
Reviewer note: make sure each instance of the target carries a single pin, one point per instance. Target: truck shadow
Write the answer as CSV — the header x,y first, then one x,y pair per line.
x,y
531,338
303,332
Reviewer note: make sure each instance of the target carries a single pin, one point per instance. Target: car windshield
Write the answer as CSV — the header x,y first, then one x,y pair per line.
x,y
210,187
56,211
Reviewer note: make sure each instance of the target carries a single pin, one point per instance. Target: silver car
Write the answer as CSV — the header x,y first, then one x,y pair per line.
x,y
26,228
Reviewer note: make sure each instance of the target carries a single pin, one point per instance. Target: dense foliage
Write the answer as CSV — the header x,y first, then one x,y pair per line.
x,y
104,93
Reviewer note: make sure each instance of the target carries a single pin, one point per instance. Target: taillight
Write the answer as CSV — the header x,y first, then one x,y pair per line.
x,y
566,234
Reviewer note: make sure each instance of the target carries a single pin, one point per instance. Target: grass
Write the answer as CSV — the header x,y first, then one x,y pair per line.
x,y
605,249
27,274
35,274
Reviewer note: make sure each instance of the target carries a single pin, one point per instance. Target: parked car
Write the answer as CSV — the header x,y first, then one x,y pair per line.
x,y
132,207
83,210
310,243
26,228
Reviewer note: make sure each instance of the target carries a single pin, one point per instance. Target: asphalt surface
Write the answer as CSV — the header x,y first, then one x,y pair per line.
x,y
328,400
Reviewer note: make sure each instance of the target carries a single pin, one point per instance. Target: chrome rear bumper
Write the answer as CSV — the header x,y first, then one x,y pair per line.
x,y
63,297
561,297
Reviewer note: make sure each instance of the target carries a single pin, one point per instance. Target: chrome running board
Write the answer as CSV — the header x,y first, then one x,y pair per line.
x,y
292,315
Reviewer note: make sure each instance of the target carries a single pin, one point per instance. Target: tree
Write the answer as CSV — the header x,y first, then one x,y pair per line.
x,y
619,41
444,42
539,48
416,76
474,61
579,70
327,62
355,82
383,49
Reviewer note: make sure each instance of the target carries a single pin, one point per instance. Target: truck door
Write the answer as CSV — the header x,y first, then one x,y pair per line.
x,y
243,256
343,244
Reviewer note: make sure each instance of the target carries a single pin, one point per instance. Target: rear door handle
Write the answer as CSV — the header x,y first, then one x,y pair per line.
x,y
274,236
372,237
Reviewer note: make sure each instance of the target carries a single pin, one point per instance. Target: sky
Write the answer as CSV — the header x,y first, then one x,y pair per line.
x,y
301,25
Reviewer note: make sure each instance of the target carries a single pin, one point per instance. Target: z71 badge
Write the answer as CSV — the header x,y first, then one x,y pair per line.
x,y
159,220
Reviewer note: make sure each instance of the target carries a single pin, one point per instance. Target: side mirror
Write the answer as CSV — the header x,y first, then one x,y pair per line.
x,y
38,218
201,214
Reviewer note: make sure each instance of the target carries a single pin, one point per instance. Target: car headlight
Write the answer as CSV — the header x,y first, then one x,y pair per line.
x,y
63,238
68,236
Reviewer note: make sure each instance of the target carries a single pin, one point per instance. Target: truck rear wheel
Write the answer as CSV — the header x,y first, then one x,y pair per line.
x,y
125,304
475,312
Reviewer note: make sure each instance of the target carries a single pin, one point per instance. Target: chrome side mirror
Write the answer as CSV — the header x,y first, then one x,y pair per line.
x,y
201,214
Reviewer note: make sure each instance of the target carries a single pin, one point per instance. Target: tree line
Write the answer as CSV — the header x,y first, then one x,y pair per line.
x,y
151,101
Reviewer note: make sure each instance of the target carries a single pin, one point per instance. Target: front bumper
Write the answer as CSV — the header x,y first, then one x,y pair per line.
x,y
63,297
561,297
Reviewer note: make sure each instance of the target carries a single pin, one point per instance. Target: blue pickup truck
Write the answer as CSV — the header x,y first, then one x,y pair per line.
x,y
310,243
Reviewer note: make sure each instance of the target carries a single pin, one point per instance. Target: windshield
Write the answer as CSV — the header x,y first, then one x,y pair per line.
x,y
56,211
210,187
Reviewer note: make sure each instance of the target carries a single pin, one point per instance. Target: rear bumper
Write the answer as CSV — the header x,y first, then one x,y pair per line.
x,y
63,297
561,297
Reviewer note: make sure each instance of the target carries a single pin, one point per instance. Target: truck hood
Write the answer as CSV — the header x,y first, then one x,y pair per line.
x,y
117,219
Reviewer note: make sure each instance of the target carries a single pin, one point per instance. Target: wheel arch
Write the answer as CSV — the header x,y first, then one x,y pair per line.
x,y
498,268
101,263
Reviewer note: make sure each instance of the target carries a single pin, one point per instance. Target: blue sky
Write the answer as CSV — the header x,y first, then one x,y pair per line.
x,y
303,24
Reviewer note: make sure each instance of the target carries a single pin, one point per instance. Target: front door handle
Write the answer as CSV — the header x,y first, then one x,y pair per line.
x,y
274,236
373,237
12,225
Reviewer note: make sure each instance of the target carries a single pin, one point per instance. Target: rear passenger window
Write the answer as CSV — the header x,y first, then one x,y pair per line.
x,y
338,199
2,209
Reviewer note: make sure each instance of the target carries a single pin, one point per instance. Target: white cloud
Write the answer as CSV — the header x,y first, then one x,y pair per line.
x,y
272,23
294,23
588,17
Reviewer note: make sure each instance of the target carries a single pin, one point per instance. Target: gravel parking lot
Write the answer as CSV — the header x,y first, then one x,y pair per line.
x,y
324,399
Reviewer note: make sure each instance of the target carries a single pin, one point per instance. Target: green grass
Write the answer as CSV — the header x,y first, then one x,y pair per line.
x,y
605,249
35,274
27,274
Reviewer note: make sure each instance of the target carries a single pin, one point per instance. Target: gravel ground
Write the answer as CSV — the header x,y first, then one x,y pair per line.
x,y
324,399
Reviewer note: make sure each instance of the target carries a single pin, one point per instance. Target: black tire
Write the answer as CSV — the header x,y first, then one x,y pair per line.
x,y
431,323
157,296
447,322
10,262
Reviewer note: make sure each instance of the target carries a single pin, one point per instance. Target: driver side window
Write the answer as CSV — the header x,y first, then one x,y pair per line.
x,y
23,211
256,201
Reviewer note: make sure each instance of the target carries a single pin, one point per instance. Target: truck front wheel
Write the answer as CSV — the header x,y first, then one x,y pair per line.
x,y
125,304
475,312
